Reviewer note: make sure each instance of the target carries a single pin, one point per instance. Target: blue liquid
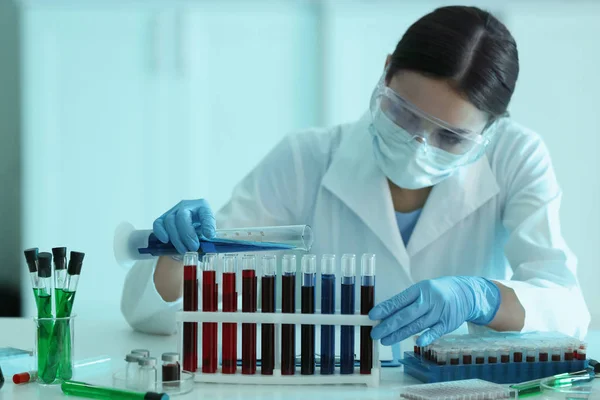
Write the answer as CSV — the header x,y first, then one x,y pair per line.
x,y
327,331
158,248
347,334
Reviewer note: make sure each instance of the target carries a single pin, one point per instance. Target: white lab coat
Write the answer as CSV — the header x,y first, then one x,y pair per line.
x,y
497,218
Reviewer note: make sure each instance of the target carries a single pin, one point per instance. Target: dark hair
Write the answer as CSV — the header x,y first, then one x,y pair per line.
x,y
467,46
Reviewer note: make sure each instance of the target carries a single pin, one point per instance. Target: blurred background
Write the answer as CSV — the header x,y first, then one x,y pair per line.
x,y
116,110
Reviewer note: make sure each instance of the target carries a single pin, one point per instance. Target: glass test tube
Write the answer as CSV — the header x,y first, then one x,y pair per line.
x,y
556,354
190,303
248,306
569,353
229,332
347,307
210,293
367,302
479,357
307,356
327,307
288,305
543,355
269,270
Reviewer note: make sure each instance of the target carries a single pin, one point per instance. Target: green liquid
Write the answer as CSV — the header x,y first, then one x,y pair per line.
x,y
47,363
74,388
64,306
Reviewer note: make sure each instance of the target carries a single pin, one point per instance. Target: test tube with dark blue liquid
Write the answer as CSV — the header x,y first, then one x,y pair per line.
x,y
307,332
288,305
327,307
347,307
367,302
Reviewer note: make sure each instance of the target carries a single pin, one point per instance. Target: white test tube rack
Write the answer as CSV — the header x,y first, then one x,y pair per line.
x,y
278,318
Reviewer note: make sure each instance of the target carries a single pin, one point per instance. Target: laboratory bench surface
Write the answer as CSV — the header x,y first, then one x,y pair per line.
x,y
115,339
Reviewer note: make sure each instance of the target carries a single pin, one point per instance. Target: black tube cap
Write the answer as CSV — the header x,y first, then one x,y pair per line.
x,y
31,256
59,254
45,265
156,396
75,263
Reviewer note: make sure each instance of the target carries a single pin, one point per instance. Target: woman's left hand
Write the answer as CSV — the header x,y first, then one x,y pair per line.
x,y
439,305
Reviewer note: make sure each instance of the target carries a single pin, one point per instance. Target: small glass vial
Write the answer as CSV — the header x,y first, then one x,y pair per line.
x,y
132,378
171,369
148,373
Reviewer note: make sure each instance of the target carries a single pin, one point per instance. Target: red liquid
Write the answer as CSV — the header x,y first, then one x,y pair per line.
x,y
288,331
190,329
417,350
530,359
505,358
229,344
543,357
170,372
209,329
367,302
581,356
467,359
248,330
518,357
555,357
479,360
568,356
492,360
441,363
268,330
454,361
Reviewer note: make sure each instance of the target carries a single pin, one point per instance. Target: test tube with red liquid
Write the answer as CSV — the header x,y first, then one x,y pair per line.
x,y
190,303
229,332
209,304
269,270
288,306
367,302
248,306
309,271
556,354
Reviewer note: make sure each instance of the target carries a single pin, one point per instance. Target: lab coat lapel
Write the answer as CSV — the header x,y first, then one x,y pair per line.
x,y
453,200
357,181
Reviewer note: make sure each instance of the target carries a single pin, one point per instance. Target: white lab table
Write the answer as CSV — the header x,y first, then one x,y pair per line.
x,y
116,338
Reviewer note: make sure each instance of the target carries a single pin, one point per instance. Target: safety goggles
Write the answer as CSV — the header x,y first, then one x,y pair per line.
x,y
427,129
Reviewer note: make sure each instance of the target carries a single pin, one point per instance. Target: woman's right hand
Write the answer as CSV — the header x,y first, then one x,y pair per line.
x,y
181,223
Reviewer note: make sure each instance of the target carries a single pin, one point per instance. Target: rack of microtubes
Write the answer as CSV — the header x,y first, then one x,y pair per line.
x,y
496,357
370,377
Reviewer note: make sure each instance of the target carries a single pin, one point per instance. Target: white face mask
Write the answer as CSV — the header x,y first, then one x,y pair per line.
x,y
406,162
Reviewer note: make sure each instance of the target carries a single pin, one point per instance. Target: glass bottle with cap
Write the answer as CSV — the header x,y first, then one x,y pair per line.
x,y
142,352
171,369
148,373
132,370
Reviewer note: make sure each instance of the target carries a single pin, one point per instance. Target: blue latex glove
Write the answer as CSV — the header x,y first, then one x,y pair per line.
x,y
180,224
439,305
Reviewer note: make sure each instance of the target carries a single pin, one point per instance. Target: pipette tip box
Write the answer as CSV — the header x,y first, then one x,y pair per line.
x,y
461,390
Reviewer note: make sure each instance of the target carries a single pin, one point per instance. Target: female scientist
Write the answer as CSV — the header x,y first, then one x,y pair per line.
x,y
459,202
